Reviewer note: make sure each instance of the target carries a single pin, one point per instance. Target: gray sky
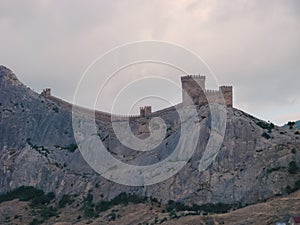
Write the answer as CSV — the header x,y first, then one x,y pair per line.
x,y
252,45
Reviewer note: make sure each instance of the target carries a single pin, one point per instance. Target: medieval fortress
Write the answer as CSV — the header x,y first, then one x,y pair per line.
x,y
193,93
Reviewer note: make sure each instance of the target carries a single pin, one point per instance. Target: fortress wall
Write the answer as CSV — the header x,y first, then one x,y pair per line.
x,y
193,93
89,112
215,96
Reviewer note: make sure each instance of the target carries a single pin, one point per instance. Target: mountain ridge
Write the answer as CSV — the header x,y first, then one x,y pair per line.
x,y
37,148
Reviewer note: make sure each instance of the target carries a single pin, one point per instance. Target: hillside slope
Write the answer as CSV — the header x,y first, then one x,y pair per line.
x,y
37,148
278,209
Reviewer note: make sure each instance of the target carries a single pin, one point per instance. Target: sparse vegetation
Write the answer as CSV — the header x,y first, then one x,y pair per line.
x,y
265,125
38,202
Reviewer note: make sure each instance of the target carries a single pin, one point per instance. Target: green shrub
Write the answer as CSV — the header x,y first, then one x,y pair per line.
x,y
36,222
92,210
55,109
65,200
22,193
124,199
265,125
163,220
38,201
293,168
42,200
208,208
47,212
297,185
173,215
89,207
275,169
265,135
112,216
70,147
289,189
291,124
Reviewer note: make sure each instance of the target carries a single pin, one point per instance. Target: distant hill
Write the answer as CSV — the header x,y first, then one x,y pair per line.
x,y
296,126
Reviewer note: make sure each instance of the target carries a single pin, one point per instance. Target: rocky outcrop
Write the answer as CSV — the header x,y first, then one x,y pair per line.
x,y
37,148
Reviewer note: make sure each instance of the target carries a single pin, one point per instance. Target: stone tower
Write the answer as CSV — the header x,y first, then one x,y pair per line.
x,y
227,94
194,92
193,88
46,92
145,111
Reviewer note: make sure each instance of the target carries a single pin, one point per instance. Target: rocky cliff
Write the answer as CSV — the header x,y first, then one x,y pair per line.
x,y
37,148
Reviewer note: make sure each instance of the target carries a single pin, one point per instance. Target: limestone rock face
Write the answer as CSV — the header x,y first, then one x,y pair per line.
x,y
38,148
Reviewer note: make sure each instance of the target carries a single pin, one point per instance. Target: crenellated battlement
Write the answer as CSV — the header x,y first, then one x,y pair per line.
x,y
188,77
223,87
212,91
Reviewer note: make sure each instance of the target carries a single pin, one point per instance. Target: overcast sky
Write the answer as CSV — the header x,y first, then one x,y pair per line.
x,y
252,45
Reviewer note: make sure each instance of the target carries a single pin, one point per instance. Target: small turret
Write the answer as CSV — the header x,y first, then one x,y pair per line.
x,y
145,111
46,92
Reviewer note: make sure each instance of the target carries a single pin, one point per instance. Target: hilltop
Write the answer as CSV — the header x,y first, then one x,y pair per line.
x,y
256,162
